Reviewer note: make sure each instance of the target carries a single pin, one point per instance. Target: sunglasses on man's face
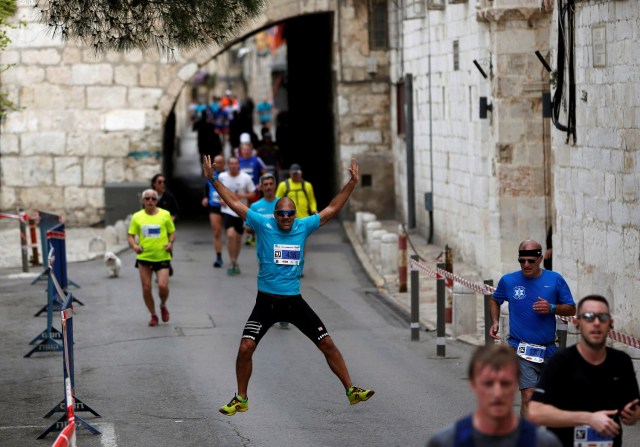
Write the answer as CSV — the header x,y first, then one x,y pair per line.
x,y
589,317
153,199
527,260
285,213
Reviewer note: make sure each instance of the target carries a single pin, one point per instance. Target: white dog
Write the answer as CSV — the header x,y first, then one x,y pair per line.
x,y
113,264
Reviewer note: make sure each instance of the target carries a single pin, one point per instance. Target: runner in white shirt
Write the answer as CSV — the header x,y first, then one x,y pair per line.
x,y
243,187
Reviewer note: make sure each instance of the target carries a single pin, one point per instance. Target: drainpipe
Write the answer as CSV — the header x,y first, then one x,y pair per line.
x,y
408,117
428,199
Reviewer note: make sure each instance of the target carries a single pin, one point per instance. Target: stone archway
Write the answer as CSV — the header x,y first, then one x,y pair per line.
x,y
88,121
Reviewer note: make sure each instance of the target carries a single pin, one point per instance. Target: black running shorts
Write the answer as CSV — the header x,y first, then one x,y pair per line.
x,y
155,266
232,221
292,309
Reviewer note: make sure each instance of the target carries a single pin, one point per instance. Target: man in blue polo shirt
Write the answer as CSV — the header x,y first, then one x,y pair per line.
x,y
535,297
280,249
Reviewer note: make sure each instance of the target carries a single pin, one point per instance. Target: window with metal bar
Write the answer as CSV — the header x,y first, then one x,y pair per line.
x,y
378,25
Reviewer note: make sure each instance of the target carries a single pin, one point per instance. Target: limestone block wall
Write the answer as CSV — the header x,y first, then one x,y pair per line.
x,y
597,242
519,134
447,128
487,189
363,112
83,121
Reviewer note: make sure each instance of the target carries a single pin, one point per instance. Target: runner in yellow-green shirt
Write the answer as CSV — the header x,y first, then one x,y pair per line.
x,y
300,191
151,235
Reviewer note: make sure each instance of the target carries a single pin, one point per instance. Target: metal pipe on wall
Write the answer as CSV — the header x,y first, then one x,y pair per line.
x,y
408,116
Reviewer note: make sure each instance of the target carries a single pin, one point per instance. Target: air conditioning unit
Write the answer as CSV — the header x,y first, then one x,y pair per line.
x,y
436,5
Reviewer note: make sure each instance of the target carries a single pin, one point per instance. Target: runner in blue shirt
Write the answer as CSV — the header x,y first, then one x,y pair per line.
x,y
280,251
267,204
211,200
535,297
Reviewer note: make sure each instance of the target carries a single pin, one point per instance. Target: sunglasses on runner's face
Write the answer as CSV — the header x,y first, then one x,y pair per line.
x,y
150,198
285,213
527,260
589,317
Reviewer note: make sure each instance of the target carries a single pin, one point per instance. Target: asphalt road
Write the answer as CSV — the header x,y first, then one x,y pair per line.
x,y
162,386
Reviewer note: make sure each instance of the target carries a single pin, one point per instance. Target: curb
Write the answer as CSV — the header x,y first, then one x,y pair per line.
x,y
373,274
380,284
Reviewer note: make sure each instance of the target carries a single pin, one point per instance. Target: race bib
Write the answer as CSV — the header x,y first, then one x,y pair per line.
x,y
585,436
530,352
286,254
151,230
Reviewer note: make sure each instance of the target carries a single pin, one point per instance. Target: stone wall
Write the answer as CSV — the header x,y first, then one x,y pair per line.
x,y
83,120
505,179
519,137
486,199
597,237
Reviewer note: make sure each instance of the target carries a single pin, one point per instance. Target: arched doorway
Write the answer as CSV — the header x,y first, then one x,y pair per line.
x,y
306,130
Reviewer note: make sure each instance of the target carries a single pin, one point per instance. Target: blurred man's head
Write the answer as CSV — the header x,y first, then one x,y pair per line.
x,y
234,166
219,161
494,373
158,183
268,186
246,150
295,172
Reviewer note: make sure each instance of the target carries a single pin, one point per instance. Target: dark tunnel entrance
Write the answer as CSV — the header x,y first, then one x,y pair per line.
x,y
311,141
304,131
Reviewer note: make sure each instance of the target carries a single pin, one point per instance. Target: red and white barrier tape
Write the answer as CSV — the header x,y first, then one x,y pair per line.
x,y
485,289
626,339
22,217
67,437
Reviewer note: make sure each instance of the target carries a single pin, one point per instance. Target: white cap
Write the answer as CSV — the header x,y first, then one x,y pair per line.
x,y
245,138
227,92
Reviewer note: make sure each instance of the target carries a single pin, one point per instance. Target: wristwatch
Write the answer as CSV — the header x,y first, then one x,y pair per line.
x,y
553,309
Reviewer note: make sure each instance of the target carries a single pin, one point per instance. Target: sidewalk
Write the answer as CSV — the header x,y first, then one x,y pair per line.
x,y
388,285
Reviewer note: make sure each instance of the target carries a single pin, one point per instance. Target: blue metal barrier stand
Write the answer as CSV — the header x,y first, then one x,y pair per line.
x,y
68,362
56,262
47,222
50,331
58,237
49,336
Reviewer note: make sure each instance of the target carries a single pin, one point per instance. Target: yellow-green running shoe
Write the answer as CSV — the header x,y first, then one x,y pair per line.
x,y
357,395
236,404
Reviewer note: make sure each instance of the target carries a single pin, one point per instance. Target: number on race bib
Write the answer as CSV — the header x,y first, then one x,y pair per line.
x,y
286,254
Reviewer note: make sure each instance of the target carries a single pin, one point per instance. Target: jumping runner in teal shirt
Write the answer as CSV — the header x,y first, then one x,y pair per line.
x,y
281,240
